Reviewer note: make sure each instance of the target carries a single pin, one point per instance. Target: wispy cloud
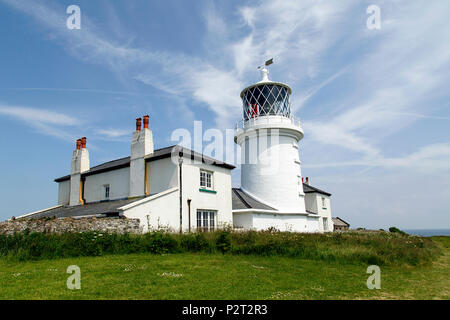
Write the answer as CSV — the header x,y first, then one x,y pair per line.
x,y
109,92
431,158
45,121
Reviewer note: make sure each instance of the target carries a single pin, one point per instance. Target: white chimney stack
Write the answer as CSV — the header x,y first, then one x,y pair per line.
x,y
80,164
141,146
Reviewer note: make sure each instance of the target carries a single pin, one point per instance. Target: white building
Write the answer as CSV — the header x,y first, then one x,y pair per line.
x,y
179,189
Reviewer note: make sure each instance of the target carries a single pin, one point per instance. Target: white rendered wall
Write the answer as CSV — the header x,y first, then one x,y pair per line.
x,y
162,210
64,192
162,174
219,201
243,221
313,224
75,183
277,183
324,211
282,222
118,181
311,202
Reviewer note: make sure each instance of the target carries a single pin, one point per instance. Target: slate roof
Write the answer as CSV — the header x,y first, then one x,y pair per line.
x,y
157,154
339,222
241,200
97,209
307,188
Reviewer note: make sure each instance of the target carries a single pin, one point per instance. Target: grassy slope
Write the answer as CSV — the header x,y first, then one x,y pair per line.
x,y
213,276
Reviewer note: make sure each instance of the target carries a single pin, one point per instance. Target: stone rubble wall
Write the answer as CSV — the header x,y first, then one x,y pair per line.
x,y
46,225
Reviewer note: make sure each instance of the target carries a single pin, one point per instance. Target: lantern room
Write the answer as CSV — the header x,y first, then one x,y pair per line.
x,y
266,98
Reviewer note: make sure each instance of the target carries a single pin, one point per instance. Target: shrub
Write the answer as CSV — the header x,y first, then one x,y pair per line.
x,y
396,230
194,242
160,242
223,241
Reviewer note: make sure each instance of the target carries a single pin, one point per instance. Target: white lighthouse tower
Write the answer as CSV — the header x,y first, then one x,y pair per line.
x,y
271,175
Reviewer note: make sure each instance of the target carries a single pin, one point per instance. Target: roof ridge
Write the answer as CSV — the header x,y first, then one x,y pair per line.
x,y
343,220
240,197
109,162
316,189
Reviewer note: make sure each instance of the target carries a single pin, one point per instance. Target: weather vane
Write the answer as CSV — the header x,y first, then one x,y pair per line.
x,y
264,71
267,63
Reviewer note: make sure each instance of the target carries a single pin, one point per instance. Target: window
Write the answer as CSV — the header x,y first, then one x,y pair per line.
x,y
323,203
206,220
107,191
206,179
325,224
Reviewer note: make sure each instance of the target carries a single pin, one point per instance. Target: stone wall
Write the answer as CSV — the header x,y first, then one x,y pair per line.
x,y
112,225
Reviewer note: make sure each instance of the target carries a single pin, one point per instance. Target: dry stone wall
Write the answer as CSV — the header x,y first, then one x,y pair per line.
x,y
46,225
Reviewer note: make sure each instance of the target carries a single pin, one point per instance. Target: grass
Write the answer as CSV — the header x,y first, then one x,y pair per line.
x,y
222,276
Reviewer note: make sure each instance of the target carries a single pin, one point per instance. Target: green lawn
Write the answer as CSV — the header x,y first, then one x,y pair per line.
x,y
215,276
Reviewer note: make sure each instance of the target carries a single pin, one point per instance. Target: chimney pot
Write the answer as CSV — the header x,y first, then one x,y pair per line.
x,y
83,143
138,124
302,180
78,144
307,180
146,121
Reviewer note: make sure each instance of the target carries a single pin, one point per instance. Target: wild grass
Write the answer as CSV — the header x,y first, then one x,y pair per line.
x,y
380,248
205,275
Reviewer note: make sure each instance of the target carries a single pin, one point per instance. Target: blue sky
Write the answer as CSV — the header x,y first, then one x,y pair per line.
x,y
374,103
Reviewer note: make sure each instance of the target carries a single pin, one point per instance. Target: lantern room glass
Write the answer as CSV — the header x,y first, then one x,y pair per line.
x,y
266,99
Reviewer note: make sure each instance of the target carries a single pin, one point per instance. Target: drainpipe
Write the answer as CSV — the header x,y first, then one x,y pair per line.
x,y
82,191
180,163
145,179
189,213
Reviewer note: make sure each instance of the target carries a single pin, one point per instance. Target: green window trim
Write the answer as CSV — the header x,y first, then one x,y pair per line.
x,y
324,208
207,190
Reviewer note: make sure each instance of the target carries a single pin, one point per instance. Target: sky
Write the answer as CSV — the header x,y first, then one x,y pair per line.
x,y
374,103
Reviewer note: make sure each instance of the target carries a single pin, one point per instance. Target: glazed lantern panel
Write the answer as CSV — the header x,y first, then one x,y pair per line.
x,y
266,99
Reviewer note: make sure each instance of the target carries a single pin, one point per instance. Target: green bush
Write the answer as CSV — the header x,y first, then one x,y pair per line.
x,y
223,241
158,242
396,230
352,247
194,242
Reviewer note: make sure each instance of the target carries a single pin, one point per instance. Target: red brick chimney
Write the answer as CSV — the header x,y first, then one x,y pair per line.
x,y
138,124
146,121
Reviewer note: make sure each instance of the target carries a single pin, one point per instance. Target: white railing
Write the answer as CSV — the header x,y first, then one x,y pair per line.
x,y
267,119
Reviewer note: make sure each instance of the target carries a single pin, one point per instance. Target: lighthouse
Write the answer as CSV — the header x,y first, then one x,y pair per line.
x,y
271,177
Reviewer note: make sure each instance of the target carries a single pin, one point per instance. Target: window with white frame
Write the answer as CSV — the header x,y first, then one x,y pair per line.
x,y
206,220
325,224
106,192
206,179
323,202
